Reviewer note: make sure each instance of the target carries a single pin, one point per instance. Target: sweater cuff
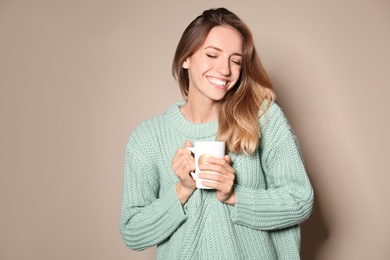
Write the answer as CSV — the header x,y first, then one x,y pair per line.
x,y
171,205
244,205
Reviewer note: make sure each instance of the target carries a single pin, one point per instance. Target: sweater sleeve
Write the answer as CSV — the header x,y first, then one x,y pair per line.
x,y
288,197
147,218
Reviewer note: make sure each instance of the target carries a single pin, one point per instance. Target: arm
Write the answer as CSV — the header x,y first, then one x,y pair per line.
x,y
146,218
288,199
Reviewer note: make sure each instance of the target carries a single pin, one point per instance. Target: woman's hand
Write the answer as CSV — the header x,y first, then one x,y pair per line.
x,y
183,164
224,179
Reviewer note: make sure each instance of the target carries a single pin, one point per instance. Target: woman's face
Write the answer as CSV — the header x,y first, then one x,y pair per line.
x,y
215,67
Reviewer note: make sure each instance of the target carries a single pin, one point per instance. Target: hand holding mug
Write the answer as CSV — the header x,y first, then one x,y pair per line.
x,y
213,170
223,181
182,164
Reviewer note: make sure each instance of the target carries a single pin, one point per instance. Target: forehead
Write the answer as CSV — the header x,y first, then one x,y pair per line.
x,y
225,38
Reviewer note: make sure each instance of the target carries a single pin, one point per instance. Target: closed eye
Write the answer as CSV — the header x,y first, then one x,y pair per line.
x,y
237,62
211,56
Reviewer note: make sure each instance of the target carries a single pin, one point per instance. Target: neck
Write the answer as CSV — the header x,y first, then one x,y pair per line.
x,y
199,112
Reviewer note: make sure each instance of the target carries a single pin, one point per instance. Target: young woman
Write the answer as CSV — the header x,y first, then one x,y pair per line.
x,y
261,192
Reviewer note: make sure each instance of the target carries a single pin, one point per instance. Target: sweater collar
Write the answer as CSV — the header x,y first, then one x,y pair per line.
x,y
189,129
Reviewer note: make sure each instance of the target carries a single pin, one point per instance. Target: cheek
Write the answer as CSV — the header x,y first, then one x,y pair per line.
x,y
206,66
236,73
199,67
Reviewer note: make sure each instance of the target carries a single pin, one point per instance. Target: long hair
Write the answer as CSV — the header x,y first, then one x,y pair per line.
x,y
251,96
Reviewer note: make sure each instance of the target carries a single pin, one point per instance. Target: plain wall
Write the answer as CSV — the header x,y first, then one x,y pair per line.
x,y
76,77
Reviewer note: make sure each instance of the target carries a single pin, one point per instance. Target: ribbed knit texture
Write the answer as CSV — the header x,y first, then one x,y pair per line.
x,y
273,194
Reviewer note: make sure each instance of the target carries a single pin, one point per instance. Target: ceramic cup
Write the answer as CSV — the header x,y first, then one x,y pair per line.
x,y
203,150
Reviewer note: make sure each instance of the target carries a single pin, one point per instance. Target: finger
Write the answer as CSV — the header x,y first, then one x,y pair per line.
x,y
211,177
219,187
187,164
181,153
224,179
183,164
228,159
221,169
209,184
223,162
188,146
178,154
215,160
187,143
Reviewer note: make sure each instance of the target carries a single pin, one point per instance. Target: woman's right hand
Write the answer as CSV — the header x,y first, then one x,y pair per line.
x,y
183,164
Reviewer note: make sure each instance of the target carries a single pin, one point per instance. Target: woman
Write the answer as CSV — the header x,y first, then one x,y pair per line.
x,y
262,192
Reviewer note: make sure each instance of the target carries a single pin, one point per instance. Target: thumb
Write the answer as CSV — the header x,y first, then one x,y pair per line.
x,y
187,144
227,159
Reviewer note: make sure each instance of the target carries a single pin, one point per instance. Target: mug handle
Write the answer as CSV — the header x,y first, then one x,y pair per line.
x,y
192,149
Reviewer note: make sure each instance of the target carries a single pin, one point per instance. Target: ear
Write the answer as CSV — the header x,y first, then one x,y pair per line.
x,y
186,64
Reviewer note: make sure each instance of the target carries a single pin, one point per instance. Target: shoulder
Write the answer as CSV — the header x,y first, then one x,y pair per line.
x,y
151,129
274,122
277,135
273,115
149,126
146,132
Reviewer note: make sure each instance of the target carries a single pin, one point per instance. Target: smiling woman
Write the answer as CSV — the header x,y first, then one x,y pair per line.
x,y
258,193
213,70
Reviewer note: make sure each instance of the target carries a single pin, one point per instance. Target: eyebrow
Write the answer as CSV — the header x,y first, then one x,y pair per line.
x,y
218,49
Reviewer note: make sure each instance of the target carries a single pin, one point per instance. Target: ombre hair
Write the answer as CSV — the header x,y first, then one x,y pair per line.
x,y
252,95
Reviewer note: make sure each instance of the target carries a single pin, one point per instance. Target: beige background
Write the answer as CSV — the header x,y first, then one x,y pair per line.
x,y
77,76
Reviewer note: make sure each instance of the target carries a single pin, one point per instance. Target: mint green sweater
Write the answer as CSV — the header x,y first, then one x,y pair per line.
x,y
273,194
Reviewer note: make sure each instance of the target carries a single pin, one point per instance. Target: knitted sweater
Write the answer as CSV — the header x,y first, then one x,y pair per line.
x,y
273,194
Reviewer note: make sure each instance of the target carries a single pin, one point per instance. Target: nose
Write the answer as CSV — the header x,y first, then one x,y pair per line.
x,y
223,67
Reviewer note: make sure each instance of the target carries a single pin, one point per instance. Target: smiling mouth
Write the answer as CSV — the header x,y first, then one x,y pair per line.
x,y
218,82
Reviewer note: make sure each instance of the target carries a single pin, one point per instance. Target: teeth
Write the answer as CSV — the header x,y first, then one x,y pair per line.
x,y
218,82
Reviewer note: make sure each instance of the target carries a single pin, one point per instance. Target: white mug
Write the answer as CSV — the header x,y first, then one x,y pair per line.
x,y
203,150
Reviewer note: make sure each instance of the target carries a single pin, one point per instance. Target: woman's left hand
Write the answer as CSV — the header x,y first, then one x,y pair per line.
x,y
223,175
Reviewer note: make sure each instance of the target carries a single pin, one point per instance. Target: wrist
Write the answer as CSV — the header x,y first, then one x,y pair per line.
x,y
183,193
232,199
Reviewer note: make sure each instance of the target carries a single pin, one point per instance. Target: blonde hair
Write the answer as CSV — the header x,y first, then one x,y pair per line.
x,y
252,95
